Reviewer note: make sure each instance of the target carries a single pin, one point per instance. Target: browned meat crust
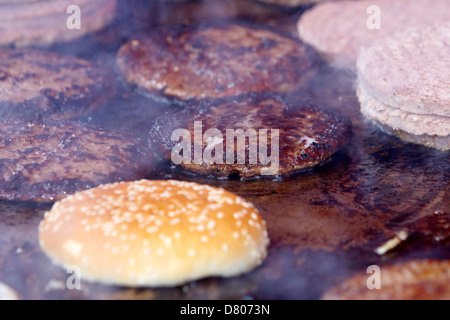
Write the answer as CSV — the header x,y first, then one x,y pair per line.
x,y
42,23
307,134
45,162
39,84
212,61
414,280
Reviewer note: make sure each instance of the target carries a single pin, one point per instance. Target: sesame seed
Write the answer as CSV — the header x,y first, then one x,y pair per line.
x,y
151,229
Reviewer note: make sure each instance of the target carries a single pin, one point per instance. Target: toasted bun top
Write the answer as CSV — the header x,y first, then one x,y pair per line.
x,y
154,233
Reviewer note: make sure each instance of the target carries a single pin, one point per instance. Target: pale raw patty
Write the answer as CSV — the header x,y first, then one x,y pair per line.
x,y
339,29
432,131
398,119
410,70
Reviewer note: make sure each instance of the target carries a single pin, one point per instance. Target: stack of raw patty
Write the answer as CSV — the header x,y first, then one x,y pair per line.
x,y
43,22
339,29
403,85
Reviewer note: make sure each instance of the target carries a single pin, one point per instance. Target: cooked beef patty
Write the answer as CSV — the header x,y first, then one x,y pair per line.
x,y
413,280
43,22
215,61
39,84
307,135
45,162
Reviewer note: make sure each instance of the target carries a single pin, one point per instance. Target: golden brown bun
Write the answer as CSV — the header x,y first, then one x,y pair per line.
x,y
154,233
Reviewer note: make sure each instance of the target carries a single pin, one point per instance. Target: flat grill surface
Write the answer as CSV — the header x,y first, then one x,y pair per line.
x,y
324,224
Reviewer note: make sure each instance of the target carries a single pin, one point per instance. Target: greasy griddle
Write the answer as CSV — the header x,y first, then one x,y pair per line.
x,y
324,223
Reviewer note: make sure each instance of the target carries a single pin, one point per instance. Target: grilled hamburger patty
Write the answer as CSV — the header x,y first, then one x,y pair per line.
x,y
36,84
307,134
413,280
43,22
215,61
45,162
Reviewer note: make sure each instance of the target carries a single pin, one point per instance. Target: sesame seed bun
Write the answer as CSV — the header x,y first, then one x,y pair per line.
x,y
7,293
154,233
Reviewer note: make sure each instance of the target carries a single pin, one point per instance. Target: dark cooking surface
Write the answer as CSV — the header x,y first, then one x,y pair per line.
x,y
324,224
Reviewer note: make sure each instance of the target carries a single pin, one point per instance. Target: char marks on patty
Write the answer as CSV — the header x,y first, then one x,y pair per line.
x,y
38,84
212,61
307,134
45,162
